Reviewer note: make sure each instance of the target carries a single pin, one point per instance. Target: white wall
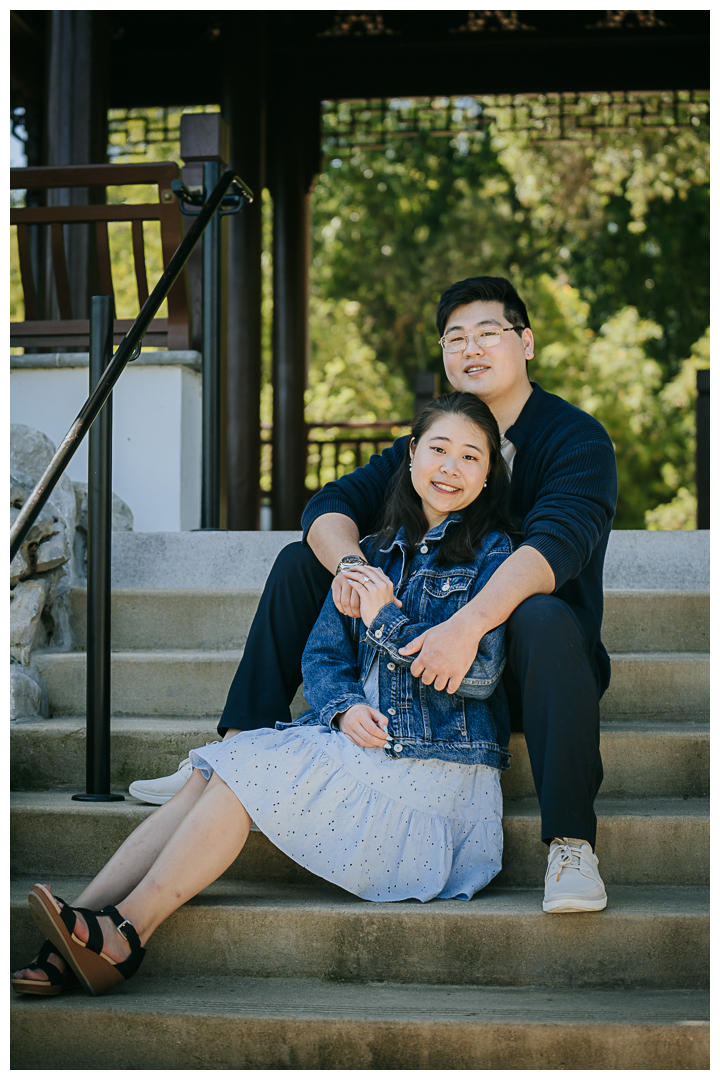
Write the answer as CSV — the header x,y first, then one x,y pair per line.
x,y
157,428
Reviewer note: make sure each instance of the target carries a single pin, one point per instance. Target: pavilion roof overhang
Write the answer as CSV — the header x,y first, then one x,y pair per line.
x,y
401,53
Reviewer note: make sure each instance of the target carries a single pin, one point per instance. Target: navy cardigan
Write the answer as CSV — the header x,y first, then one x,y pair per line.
x,y
564,490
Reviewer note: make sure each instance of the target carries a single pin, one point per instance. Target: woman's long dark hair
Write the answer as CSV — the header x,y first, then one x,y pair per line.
x,y
489,511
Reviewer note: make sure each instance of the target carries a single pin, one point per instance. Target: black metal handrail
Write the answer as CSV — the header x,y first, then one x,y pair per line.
x,y
105,369
128,350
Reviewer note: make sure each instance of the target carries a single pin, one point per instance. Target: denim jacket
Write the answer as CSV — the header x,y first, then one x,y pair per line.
x,y
471,726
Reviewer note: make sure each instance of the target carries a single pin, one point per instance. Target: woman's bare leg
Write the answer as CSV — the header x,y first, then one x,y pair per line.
x,y
138,852
132,860
207,841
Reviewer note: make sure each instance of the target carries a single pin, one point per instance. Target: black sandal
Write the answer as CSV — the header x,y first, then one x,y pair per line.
x,y
97,972
57,980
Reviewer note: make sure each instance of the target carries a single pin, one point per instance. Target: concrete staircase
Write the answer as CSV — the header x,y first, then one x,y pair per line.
x,y
272,967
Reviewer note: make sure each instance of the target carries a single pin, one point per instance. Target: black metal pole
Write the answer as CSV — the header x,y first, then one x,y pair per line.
x,y
702,451
211,304
65,451
99,535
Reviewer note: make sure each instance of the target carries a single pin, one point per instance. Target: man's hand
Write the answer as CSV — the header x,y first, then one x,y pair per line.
x,y
364,725
445,653
345,598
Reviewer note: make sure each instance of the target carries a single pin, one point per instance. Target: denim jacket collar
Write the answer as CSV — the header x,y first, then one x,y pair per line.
x,y
436,533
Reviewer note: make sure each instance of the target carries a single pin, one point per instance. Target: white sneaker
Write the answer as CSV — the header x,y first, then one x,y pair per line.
x,y
159,791
572,881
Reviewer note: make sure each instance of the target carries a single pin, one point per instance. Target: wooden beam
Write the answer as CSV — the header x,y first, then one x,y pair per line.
x,y
293,156
245,110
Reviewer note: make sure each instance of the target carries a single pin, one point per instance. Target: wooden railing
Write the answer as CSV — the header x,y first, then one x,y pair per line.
x,y
345,447
38,330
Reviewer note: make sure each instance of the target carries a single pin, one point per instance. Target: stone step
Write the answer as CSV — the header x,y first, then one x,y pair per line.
x,y
658,686
645,686
659,760
646,938
640,841
226,1022
637,620
635,559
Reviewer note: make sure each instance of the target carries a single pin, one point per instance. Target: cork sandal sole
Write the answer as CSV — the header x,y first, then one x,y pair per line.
x,y
39,987
97,973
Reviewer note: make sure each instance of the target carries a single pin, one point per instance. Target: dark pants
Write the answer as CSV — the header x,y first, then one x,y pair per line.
x,y
549,678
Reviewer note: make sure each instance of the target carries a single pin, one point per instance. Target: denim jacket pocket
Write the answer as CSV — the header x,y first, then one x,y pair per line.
x,y
443,595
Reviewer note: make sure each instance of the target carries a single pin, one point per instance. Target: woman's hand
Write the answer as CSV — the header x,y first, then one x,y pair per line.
x,y
373,588
364,725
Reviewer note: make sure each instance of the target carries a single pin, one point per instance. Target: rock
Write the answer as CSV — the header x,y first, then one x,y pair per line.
x,y
48,525
55,551
19,567
41,573
52,558
27,601
25,694
30,453
17,493
122,518
122,521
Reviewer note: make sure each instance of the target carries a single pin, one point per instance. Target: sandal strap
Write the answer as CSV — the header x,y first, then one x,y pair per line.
x,y
42,962
67,914
137,953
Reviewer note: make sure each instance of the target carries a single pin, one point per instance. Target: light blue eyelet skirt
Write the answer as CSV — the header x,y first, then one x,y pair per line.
x,y
382,828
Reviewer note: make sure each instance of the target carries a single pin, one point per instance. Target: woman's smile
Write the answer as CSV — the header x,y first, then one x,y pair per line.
x,y
445,488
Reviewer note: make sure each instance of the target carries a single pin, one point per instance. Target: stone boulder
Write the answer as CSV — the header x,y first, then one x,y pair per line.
x,y
122,521
27,601
51,560
26,695
30,454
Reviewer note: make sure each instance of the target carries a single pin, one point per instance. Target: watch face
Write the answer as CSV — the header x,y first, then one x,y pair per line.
x,y
350,560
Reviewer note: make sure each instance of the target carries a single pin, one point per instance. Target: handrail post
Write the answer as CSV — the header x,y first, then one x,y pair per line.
x,y
99,537
211,338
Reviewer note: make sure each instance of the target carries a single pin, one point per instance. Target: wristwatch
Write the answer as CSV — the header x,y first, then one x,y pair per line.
x,y
348,561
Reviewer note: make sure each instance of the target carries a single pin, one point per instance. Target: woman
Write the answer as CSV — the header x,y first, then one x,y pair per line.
x,y
386,786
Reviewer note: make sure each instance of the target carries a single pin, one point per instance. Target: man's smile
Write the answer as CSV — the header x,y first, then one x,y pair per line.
x,y
472,369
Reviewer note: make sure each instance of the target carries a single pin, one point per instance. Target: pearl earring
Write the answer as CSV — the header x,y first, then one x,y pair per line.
x,y
485,484
410,465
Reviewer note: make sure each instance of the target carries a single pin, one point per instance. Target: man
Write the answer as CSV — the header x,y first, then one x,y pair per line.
x,y
549,591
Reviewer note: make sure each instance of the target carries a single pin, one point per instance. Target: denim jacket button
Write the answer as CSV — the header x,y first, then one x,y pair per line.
x,y
424,549
391,712
398,747
378,633
446,586
391,667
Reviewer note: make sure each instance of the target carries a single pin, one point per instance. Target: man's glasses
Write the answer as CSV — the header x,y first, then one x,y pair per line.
x,y
456,342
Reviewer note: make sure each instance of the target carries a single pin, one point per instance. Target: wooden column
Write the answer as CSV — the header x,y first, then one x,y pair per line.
x,y
76,128
294,148
702,452
244,108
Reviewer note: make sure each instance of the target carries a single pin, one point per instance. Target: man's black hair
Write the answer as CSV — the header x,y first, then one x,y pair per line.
x,y
482,288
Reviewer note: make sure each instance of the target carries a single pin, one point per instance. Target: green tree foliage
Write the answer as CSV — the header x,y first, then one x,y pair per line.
x,y
677,401
606,242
